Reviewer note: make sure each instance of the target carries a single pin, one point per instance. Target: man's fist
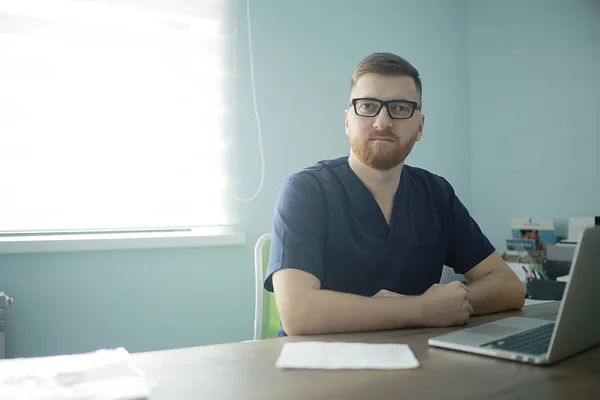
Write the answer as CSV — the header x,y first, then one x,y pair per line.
x,y
446,305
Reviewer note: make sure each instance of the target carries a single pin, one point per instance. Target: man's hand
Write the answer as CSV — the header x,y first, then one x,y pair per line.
x,y
387,293
446,305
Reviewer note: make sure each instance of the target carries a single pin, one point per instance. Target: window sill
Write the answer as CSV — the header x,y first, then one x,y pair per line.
x,y
88,241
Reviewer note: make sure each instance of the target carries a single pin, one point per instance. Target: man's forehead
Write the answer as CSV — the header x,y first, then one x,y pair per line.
x,y
383,87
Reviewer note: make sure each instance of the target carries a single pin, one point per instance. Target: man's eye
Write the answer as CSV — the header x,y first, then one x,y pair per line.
x,y
368,106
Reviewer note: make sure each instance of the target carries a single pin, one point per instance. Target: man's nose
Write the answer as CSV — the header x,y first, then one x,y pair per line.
x,y
383,119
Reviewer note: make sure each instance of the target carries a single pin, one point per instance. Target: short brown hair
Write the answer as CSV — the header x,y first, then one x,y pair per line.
x,y
386,64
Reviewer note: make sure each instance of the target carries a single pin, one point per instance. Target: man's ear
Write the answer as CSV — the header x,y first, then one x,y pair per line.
x,y
346,121
421,126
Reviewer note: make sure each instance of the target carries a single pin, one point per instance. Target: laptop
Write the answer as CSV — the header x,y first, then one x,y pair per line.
x,y
540,341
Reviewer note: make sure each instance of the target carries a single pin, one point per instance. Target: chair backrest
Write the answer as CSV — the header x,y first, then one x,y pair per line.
x,y
266,316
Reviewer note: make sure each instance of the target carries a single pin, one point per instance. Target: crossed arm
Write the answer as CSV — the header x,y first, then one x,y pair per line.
x,y
306,309
494,287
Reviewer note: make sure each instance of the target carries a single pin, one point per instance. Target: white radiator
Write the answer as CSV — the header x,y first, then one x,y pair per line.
x,y
5,301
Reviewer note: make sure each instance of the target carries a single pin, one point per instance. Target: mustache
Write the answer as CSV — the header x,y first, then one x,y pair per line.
x,y
387,133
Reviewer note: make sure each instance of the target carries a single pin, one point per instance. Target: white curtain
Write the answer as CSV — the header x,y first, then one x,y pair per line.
x,y
113,117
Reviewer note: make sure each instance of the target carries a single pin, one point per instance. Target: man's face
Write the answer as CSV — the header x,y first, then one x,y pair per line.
x,y
382,142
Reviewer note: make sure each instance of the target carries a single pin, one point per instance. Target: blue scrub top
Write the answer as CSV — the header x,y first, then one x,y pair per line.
x,y
328,224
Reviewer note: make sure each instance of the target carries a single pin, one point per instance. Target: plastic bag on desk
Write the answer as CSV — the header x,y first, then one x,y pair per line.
x,y
100,375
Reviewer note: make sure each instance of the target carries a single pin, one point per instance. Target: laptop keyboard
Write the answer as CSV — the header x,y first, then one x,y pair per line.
x,y
534,341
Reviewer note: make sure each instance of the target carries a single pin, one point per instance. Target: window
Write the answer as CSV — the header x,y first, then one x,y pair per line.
x,y
113,117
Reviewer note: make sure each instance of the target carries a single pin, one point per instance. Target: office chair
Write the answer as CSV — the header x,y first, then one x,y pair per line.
x,y
266,316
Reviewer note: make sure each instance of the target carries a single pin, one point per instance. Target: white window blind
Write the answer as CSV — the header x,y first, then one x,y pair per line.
x,y
113,117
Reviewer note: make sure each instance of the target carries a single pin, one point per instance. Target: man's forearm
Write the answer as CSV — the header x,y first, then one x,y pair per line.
x,y
324,311
495,292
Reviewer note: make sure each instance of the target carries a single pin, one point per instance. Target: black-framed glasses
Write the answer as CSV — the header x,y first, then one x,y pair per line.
x,y
397,109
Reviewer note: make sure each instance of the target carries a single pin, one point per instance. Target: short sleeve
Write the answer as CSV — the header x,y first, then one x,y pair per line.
x,y
298,233
467,246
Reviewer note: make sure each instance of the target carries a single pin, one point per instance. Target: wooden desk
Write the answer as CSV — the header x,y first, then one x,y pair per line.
x,y
246,371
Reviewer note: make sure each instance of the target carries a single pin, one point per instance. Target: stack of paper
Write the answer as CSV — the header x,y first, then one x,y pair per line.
x,y
340,355
104,374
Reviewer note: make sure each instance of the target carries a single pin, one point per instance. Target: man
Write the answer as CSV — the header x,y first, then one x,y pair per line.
x,y
359,242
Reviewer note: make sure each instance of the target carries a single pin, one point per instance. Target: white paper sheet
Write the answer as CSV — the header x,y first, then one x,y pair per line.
x,y
577,226
341,355
100,375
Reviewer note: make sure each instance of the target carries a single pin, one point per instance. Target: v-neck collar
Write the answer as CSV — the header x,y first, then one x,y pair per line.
x,y
364,202
401,196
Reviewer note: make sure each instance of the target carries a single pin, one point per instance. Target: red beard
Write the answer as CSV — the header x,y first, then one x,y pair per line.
x,y
382,155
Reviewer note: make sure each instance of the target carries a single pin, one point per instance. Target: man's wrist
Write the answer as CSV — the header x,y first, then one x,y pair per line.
x,y
413,311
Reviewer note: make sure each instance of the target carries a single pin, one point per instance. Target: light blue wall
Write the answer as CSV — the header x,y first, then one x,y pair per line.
x,y
534,95
304,53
